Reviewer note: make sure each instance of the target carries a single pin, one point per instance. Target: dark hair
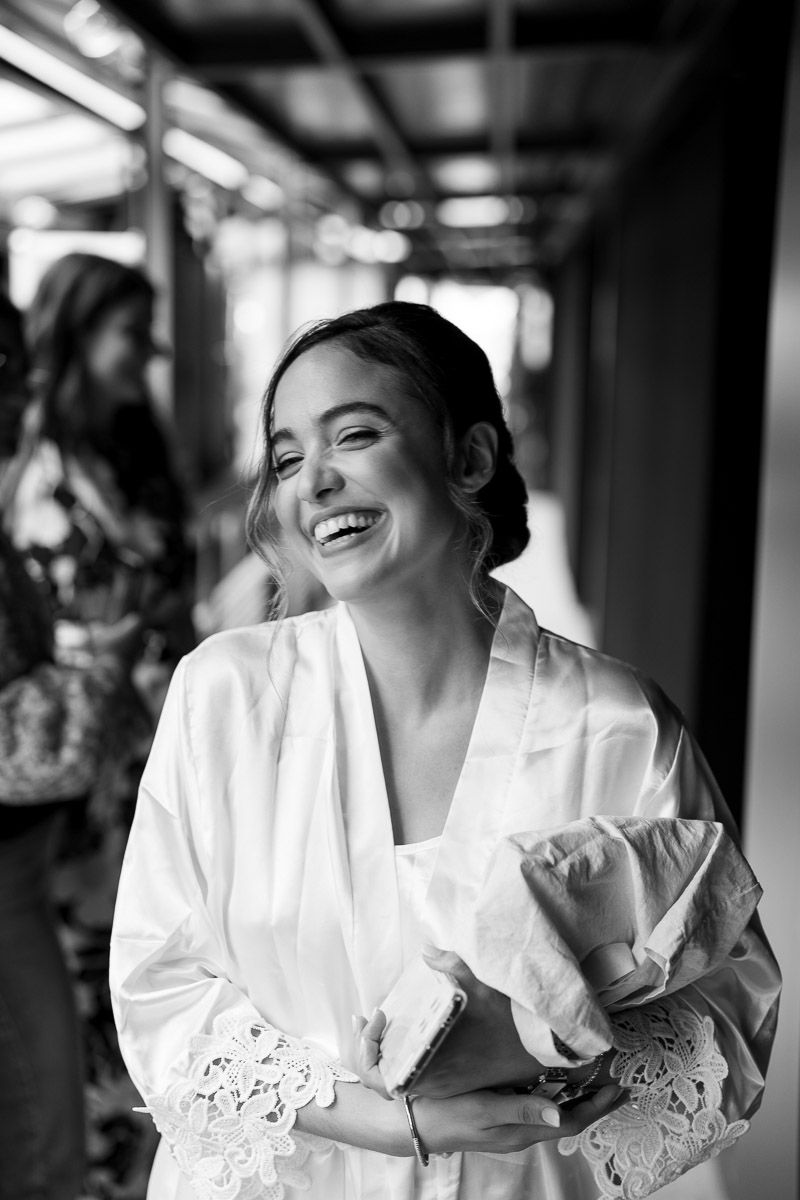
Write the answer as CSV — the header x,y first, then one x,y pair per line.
x,y
13,384
12,335
73,294
451,376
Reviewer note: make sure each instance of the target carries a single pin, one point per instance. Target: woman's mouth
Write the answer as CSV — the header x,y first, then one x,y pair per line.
x,y
344,527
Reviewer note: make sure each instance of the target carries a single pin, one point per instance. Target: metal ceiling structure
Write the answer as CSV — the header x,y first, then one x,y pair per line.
x,y
526,109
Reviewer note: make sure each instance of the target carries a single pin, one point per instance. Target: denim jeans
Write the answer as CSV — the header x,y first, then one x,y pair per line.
x,y
41,1088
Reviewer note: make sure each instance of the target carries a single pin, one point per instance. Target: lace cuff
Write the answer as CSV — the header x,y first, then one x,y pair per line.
x,y
667,1057
229,1125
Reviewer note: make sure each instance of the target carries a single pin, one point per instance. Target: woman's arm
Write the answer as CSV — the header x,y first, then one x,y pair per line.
x,y
694,1065
484,1120
222,1084
694,1061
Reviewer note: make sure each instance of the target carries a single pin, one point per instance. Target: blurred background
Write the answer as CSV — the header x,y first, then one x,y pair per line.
x,y
605,194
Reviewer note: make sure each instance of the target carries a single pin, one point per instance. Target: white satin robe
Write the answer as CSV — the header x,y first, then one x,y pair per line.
x,y
260,878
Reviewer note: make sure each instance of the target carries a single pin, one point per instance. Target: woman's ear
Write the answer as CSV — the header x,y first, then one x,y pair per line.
x,y
477,456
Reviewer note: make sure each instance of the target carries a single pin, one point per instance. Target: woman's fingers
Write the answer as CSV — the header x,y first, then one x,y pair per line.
x,y
486,1120
505,1121
600,1104
527,1110
367,1035
372,1029
449,963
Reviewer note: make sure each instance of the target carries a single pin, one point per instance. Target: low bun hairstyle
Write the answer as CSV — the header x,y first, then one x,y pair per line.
x,y
452,377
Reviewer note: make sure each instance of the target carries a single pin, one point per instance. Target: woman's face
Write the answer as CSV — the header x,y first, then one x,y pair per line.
x,y
117,350
360,485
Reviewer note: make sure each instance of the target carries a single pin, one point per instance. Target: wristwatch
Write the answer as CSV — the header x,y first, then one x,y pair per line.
x,y
554,1082
551,1082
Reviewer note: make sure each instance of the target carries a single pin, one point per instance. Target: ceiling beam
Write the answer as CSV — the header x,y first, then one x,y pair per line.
x,y
572,144
501,81
267,45
162,37
405,174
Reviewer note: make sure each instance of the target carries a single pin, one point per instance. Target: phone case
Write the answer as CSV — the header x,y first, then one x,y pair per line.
x,y
421,1009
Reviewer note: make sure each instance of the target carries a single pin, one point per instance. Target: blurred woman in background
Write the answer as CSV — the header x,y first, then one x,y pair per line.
x,y
95,506
99,509
60,728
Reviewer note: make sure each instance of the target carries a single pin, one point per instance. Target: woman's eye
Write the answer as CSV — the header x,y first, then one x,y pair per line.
x,y
287,465
358,437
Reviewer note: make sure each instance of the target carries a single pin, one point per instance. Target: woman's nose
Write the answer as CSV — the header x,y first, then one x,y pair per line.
x,y
318,476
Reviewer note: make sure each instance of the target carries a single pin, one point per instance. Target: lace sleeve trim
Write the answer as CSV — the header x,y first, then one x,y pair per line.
x,y
668,1059
229,1125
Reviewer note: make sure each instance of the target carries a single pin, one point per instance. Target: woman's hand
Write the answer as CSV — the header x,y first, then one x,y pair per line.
x,y
500,1122
483,1050
504,1122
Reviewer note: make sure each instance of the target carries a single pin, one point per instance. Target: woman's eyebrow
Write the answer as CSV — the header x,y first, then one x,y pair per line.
x,y
350,408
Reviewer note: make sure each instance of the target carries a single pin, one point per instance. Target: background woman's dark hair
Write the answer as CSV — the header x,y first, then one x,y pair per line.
x,y
11,319
452,377
73,294
12,336
13,381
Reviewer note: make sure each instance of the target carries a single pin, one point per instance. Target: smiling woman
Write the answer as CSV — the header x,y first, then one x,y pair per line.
x,y
360,492
331,795
399,380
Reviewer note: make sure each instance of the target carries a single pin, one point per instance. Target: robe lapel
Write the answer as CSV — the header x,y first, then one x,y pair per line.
x,y
360,830
475,820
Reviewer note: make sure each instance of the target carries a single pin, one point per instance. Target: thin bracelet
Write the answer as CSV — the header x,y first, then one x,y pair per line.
x,y
579,1087
423,1158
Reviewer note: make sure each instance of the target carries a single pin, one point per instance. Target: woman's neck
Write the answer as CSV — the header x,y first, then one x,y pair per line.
x,y
420,649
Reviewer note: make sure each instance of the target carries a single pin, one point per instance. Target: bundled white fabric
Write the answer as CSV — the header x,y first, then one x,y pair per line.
x,y
601,914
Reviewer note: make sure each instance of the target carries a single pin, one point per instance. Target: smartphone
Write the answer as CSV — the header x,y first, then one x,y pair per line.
x,y
421,1009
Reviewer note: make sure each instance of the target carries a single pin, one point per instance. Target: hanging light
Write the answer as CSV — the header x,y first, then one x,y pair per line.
x,y
112,106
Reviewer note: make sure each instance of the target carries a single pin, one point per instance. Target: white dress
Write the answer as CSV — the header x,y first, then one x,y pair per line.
x,y
260,906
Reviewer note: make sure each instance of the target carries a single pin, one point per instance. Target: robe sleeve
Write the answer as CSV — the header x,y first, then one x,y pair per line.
x,y
694,1061
223,1085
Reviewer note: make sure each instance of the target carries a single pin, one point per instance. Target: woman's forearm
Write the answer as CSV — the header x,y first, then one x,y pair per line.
x,y
359,1117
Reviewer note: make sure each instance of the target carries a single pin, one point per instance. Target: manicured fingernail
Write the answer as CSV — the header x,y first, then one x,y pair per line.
x,y
429,950
354,1022
551,1116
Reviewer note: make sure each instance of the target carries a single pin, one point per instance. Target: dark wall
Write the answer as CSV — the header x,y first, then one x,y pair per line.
x,y
662,420
667,464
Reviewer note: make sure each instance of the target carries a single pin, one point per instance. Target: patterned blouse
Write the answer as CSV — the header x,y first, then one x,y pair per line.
x,y
59,724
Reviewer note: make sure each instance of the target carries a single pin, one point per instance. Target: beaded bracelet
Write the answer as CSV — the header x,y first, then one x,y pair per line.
x,y
423,1158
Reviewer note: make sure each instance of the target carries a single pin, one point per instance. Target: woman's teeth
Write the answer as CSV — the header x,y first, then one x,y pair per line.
x,y
341,526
